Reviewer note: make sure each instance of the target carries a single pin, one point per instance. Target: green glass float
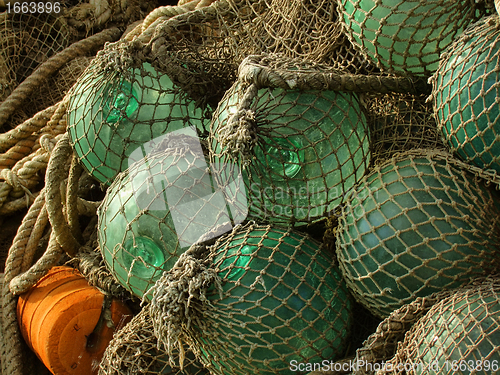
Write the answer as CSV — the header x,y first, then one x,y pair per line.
x,y
459,335
465,92
158,208
283,300
416,225
110,114
405,35
311,148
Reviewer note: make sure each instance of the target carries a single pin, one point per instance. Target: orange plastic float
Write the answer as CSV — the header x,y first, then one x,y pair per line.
x,y
60,319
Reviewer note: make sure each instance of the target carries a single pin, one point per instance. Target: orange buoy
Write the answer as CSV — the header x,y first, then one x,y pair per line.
x,y
66,322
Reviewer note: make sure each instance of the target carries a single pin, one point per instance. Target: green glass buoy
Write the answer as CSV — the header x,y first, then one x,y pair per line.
x,y
465,92
311,148
283,301
110,115
416,225
405,35
158,208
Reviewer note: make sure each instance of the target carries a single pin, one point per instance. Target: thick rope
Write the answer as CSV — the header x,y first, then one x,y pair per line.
x,y
13,361
34,239
72,211
49,259
26,172
27,128
168,11
255,69
56,173
18,204
17,152
52,65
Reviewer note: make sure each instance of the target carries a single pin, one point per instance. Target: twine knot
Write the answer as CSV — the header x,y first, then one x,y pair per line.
x,y
12,179
47,143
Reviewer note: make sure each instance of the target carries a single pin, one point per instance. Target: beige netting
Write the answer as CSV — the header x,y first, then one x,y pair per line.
x,y
297,133
134,350
400,122
417,224
465,95
407,36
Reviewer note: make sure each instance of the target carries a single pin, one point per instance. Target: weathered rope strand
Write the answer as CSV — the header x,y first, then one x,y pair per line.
x,y
72,211
56,173
252,70
27,128
49,259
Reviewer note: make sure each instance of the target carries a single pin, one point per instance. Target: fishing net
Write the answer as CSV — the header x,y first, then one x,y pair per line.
x,y
26,41
400,122
134,350
417,224
465,91
458,334
117,106
257,299
407,36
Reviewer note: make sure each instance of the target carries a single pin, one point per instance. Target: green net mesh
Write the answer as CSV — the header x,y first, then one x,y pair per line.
x,y
299,150
465,92
260,299
118,105
406,36
459,334
400,122
415,225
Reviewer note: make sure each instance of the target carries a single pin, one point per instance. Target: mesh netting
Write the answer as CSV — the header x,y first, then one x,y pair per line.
x,y
459,334
406,36
465,92
415,225
27,40
299,150
134,350
228,31
122,102
256,301
400,122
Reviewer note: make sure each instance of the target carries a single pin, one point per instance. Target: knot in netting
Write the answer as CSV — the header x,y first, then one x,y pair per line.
x,y
119,57
180,301
238,136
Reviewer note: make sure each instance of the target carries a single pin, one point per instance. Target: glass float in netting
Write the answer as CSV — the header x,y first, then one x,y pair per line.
x,y
303,151
283,302
465,92
417,224
161,205
112,113
406,36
